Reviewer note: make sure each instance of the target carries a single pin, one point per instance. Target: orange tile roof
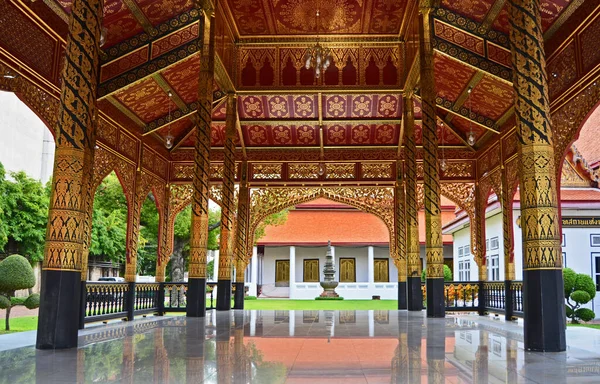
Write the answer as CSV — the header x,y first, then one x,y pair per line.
x,y
588,143
341,227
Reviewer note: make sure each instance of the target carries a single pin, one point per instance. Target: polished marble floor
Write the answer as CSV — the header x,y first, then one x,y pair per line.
x,y
303,347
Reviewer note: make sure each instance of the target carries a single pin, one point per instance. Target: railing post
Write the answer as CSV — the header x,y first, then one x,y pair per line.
x,y
482,298
508,300
160,305
82,304
130,304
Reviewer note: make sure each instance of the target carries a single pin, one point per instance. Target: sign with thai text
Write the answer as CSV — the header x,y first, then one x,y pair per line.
x,y
581,221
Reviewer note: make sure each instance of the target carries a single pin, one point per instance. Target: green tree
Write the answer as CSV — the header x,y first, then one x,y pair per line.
x,y
273,220
148,241
447,274
24,215
109,222
579,289
15,274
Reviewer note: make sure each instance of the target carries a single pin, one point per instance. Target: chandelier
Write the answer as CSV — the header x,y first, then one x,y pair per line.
x,y
471,138
318,56
169,138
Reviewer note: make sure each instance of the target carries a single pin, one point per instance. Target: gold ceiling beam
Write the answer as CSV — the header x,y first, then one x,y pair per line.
x,y
140,17
238,127
491,16
124,110
449,110
464,95
458,133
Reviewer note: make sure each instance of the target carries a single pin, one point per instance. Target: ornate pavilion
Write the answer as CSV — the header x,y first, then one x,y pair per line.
x,y
400,102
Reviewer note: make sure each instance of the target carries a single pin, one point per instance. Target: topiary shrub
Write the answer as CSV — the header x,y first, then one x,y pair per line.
x,y
15,274
579,289
447,274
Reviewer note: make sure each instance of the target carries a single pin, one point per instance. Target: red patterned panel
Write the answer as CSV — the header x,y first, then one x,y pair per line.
x,y
499,54
417,108
23,38
590,45
387,16
278,107
217,134
250,16
298,16
220,110
120,22
361,106
336,134
462,124
256,135
183,77
251,107
491,98
305,106
451,77
386,134
307,135
562,70
335,106
448,138
472,9
159,11
174,40
361,134
124,63
177,128
147,100
280,135
550,10
501,23
458,37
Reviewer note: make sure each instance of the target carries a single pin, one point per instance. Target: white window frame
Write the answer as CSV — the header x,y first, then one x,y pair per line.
x,y
594,239
595,270
494,243
493,270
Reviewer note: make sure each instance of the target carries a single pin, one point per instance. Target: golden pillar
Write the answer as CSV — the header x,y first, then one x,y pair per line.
x,y
478,236
431,180
544,311
223,359
196,306
413,252
89,209
128,365
227,209
240,256
161,358
69,201
133,230
400,234
165,236
507,229
481,364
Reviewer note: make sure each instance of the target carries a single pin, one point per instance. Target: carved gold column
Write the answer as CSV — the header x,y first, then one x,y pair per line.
x,y
507,232
227,209
161,358
196,306
478,243
431,180
75,141
195,332
243,214
133,229
481,363
544,318
128,365
400,234
165,236
413,252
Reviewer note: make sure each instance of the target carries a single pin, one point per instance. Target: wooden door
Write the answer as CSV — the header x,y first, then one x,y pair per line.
x,y
381,269
347,270
311,270
282,273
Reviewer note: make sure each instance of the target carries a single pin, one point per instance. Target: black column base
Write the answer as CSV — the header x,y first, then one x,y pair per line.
x,y
402,299
544,310
223,295
238,299
59,310
482,296
508,301
196,298
82,304
415,295
435,298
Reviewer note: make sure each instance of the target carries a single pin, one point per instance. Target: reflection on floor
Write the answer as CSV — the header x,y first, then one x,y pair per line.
x,y
306,347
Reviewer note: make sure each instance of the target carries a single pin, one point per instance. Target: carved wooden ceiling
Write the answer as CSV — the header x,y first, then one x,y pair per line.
x,y
151,51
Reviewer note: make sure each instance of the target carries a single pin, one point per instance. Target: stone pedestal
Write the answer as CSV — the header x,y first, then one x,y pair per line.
x,y
329,284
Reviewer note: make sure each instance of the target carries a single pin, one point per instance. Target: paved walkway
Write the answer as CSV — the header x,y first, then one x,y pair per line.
x,y
19,311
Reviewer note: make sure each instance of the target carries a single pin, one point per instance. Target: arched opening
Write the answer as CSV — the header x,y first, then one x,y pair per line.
x,y
267,75
372,73
291,246
249,74
288,74
109,230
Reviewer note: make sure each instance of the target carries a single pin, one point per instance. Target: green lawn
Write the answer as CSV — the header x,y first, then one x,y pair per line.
x,y
594,326
20,324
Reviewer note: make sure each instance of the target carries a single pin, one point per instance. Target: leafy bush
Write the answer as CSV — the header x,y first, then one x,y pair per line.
x,y
447,274
33,301
15,274
579,289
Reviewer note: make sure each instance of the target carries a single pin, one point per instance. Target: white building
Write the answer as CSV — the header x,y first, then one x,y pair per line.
x,y
26,143
580,209
288,261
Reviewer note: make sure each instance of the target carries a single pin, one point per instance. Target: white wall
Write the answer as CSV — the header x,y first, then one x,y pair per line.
x,y
25,142
271,255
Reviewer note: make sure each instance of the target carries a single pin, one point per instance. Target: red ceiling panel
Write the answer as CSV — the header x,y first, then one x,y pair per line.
x,y
491,98
147,100
120,23
183,78
159,11
361,134
277,107
280,135
472,9
463,125
451,77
